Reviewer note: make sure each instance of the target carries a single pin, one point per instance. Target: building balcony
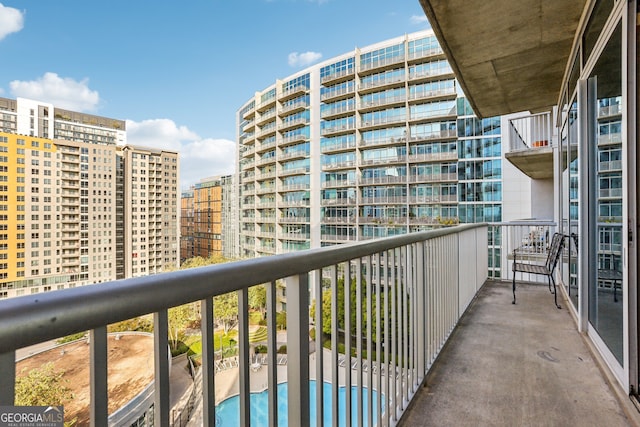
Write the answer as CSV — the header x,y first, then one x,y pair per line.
x,y
609,111
337,129
338,238
266,131
346,164
432,157
292,92
386,101
294,236
335,112
433,95
265,175
292,203
390,81
249,113
293,219
436,198
337,183
293,187
338,76
249,126
266,160
383,141
610,139
292,124
339,220
391,200
265,190
292,139
610,193
351,201
265,117
381,64
386,179
381,122
435,177
249,152
422,76
384,160
448,285
295,107
442,134
293,171
265,105
531,145
610,166
338,147
297,154
425,53
337,94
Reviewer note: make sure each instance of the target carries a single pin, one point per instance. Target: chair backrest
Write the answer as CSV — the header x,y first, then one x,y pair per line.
x,y
557,243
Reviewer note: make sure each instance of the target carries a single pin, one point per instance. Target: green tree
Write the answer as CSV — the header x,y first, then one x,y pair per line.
x,y
225,310
180,318
43,386
258,298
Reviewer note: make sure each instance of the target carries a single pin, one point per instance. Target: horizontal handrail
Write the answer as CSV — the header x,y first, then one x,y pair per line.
x,y
31,319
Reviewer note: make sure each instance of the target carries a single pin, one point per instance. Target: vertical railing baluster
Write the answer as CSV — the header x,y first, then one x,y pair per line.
x,y
369,288
319,350
347,339
388,341
243,357
394,336
380,311
298,348
421,308
7,378
272,374
98,377
208,363
161,405
404,382
334,346
359,375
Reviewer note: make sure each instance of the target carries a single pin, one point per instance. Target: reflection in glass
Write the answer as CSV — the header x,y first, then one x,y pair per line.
x,y
605,287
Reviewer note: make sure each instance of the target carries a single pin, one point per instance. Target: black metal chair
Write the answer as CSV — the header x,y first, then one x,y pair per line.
x,y
546,269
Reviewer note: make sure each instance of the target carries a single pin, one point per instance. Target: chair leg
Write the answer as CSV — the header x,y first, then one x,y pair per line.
x,y
615,288
555,291
514,288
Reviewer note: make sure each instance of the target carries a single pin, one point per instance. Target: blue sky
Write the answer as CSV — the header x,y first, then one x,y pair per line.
x,y
178,71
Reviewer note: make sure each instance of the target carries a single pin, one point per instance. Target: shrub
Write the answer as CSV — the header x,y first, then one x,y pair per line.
x,y
282,349
260,349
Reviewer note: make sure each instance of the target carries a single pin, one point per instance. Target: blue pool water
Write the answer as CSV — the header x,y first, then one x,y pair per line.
x,y
227,411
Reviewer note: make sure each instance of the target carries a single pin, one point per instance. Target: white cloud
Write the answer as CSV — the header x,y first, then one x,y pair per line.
x,y
62,92
11,21
199,157
303,59
419,20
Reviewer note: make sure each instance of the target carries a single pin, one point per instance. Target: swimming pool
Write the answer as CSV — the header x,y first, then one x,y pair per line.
x,y
227,411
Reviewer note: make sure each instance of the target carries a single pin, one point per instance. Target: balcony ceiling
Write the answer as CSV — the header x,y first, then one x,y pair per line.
x,y
508,56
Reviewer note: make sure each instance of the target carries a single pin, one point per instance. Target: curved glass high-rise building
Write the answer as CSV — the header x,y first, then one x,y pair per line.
x,y
372,143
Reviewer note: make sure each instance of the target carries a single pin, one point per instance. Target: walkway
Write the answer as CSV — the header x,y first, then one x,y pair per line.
x,y
516,365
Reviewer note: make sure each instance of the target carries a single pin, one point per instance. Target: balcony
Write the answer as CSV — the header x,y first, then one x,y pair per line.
x,y
338,93
337,129
338,111
293,107
425,53
293,123
338,76
266,117
382,63
293,92
515,358
382,141
381,122
531,145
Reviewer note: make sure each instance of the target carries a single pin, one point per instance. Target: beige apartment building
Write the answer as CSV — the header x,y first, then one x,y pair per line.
x,y
63,217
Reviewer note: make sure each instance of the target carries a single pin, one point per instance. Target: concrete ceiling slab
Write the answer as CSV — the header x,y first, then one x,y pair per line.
x,y
508,55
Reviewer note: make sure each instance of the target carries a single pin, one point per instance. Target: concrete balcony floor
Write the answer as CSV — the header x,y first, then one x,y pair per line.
x,y
517,365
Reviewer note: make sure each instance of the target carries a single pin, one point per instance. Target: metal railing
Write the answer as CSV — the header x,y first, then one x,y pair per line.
x,y
410,292
532,131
